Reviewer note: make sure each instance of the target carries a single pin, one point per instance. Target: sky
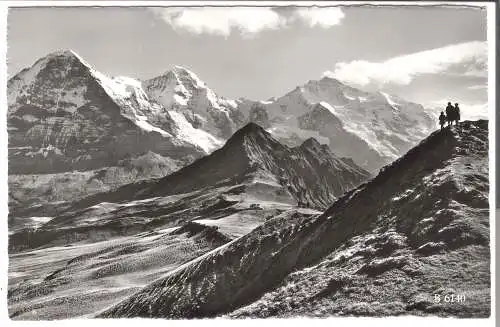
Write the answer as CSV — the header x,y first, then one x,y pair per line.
x,y
424,54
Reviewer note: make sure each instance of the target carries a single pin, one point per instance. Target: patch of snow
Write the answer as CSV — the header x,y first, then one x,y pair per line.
x,y
104,205
235,225
44,151
349,97
39,221
136,202
359,125
114,88
198,82
142,123
231,103
198,137
180,88
468,111
354,193
167,230
389,100
85,63
403,195
212,99
122,90
328,106
180,100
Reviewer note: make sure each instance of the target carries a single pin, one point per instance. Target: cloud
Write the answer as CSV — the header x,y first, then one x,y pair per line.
x,y
317,16
464,59
246,20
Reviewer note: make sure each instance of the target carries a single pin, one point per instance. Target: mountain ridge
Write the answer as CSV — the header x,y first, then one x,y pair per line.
x,y
178,103
72,117
401,253
250,152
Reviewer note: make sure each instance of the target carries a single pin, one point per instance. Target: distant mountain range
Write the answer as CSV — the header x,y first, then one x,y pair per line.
x,y
63,115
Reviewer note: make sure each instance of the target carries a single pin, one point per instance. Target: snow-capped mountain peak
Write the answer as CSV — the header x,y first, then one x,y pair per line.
x,y
61,101
181,90
186,75
380,126
54,68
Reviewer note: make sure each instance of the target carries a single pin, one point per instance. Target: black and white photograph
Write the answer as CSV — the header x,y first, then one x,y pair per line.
x,y
244,160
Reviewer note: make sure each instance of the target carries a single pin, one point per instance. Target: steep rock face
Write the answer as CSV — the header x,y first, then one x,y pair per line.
x,y
64,115
310,174
400,237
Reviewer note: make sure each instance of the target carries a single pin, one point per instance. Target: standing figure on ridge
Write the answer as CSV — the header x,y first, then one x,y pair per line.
x,y
449,113
442,119
456,113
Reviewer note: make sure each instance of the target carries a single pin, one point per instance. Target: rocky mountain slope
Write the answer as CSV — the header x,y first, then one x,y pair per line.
x,y
48,282
64,115
417,230
308,175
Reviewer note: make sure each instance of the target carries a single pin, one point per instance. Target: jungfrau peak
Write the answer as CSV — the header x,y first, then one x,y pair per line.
x,y
371,128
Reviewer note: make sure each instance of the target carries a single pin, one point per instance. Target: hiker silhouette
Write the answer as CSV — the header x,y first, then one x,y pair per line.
x,y
456,114
450,113
442,119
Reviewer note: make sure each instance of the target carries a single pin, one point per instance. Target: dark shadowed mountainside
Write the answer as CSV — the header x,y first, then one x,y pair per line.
x,y
420,228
